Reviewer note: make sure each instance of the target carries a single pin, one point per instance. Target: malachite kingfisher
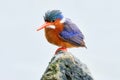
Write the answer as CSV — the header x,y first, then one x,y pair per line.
x,y
63,32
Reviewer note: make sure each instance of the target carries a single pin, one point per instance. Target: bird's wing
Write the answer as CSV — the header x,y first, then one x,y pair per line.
x,y
71,33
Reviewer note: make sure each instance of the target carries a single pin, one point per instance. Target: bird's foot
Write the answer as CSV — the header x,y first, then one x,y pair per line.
x,y
61,49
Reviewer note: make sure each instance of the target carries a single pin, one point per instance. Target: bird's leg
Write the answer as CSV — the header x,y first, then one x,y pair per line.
x,y
61,49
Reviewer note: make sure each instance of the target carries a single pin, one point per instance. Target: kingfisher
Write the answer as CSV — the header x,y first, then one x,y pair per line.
x,y
61,31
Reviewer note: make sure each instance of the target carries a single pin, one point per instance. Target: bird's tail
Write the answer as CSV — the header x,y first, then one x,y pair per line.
x,y
85,46
82,44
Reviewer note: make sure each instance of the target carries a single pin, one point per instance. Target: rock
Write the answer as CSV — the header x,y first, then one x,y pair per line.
x,y
64,66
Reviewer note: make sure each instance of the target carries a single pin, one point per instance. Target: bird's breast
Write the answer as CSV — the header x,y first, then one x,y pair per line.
x,y
52,36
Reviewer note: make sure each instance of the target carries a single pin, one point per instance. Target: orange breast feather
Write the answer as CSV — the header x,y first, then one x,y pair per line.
x,y
53,37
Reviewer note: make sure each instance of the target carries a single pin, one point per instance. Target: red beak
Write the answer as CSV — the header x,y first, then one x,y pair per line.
x,y
44,25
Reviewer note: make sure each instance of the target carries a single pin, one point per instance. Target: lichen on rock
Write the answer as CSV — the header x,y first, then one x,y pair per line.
x,y
64,66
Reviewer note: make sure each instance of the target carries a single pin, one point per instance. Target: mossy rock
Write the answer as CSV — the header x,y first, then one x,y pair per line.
x,y
64,66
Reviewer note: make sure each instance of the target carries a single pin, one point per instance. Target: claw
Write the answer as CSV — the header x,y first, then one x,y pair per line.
x,y
61,49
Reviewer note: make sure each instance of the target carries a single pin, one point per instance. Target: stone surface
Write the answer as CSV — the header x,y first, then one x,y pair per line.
x,y
64,66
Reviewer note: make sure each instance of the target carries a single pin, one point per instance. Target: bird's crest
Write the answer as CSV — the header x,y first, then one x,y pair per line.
x,y
51,16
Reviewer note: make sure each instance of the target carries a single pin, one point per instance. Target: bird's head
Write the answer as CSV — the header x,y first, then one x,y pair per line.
x,y
51,17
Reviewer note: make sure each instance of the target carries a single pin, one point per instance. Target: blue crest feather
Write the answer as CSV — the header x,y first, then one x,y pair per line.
x,y
53,15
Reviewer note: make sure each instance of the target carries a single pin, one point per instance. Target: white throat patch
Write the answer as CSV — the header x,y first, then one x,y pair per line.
x,y
51,26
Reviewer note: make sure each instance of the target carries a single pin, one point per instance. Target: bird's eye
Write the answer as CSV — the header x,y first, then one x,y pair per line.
x,y
46,20
53,21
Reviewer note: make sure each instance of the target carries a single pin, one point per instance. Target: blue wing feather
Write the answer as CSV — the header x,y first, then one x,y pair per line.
x,y
71,33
